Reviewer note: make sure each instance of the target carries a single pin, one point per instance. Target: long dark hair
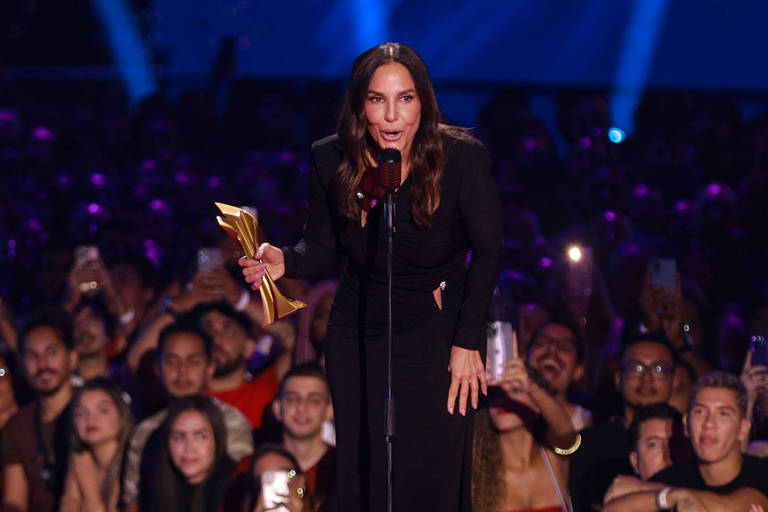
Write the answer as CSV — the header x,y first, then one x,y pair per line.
x,y
172,491
126,429
426,158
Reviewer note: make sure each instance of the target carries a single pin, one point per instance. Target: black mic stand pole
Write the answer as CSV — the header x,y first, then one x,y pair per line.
x,y
389,404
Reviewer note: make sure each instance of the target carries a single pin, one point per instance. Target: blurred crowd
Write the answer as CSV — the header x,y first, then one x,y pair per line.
x,y
136,373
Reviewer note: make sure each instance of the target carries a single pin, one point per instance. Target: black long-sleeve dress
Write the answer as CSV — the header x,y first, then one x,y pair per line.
x,y
432,449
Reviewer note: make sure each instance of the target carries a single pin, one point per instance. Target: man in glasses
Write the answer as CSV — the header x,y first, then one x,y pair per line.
x,y
647,365
556,350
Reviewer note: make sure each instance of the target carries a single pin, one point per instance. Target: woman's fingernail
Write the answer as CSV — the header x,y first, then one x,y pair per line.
x,y
463,412
474,405
450,410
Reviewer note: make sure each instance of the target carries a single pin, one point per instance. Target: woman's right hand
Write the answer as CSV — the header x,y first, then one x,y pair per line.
x,y
268,258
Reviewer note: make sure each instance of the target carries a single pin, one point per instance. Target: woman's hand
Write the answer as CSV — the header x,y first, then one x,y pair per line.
x,y
467,376
268,258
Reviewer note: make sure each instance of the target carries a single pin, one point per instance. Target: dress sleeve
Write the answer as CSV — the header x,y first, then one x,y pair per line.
x,y
480,211
317,251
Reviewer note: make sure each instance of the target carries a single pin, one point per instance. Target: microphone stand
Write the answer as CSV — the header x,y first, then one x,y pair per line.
x,y
389,403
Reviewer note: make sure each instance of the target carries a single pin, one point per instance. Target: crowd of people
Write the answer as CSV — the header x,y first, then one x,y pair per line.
x,y
136,375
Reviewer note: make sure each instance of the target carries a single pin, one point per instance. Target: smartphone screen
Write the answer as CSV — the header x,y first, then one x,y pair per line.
x,y
759,346
274,490
663,273
86,253
500,336
209,258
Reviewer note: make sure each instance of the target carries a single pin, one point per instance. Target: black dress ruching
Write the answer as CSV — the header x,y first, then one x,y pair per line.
x,y
432,449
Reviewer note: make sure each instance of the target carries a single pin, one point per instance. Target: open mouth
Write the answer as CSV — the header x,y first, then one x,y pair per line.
x,y
550,364
391,135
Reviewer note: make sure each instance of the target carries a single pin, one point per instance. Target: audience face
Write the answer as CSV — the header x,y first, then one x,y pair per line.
x,y
192,445
48,361
515,410
646,376
90,333
304,407
184,365
230,343
553,352
715,425
96,418
127,282
651,454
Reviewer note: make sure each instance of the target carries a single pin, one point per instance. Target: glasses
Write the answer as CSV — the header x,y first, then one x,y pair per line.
x,y
567,346
657,370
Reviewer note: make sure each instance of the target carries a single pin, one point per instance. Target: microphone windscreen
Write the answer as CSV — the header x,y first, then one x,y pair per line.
x,y
389,169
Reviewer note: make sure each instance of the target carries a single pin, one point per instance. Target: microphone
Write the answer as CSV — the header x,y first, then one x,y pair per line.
x,y
389,169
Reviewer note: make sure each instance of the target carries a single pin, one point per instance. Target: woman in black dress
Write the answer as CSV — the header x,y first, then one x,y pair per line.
x,y
447,205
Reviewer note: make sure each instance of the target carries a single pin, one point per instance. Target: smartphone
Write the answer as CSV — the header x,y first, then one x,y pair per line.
x,y
274,490
663,273
500,342
86,253
758,344
209,258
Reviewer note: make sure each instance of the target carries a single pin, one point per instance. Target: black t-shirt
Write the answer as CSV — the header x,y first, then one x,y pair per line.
x,y
754,474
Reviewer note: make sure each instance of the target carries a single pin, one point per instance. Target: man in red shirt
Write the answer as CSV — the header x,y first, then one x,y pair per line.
x,y
303,406
233,345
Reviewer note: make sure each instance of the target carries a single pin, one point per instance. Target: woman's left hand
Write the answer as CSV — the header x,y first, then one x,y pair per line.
x,y
467,376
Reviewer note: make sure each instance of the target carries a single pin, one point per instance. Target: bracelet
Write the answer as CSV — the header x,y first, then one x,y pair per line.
x,y
661,499
245,298
568,451
127,317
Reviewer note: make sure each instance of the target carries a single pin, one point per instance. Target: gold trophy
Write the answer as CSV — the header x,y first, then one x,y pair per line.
x,y
243,227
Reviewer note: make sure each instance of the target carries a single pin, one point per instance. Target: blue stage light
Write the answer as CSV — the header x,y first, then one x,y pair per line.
x,y
616,135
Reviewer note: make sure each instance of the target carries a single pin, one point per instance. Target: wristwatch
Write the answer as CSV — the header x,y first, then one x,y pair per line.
x,y
661,499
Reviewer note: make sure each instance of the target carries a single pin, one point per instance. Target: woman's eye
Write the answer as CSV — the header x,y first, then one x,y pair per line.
x,y
375,99
407,98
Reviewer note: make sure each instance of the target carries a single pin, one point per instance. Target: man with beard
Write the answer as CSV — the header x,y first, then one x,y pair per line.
x,y
722,478
303,406
644,378
232,347
556,350
35,440
185,366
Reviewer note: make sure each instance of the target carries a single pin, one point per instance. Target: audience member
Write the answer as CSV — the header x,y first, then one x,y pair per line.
x,y
269,462
722,478
303,405
645,378
194,471
103,423
556,350
36,438
520,444
650,436
233,345
186,366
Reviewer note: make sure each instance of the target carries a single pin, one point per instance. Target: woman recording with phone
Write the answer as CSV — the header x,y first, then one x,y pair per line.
x,y
446,206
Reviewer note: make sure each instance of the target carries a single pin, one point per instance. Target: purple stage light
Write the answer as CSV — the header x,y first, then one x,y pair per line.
x,y
714,189
640,190
98,179
609,216
214,182
585,143
529,143
545,262
682,206
42,133
94,209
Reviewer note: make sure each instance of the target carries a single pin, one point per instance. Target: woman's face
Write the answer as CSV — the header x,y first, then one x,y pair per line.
x,y
97,419
192,445
392,108
512,411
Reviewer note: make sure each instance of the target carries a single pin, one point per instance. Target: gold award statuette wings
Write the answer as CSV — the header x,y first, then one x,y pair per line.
x,y
243,227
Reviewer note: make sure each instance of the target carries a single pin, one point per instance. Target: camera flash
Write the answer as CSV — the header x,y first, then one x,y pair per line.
x,y
574,253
